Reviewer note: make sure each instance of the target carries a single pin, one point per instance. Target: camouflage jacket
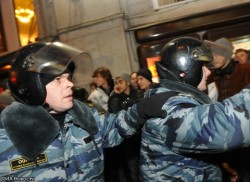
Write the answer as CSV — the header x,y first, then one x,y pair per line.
x,y
33,147
181,146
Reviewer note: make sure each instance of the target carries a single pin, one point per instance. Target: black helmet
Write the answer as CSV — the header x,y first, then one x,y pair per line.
x,y
182,60
37,64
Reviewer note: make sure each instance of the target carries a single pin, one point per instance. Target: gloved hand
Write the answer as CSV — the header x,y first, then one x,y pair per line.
x,y
152,107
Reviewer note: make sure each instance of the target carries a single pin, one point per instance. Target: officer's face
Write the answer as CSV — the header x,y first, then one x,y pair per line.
x,y
59,93
203,84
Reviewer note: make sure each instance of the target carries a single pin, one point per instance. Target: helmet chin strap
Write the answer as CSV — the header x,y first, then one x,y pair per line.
x,y
164,73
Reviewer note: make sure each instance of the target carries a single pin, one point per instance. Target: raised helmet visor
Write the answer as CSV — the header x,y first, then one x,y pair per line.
x,y
51,59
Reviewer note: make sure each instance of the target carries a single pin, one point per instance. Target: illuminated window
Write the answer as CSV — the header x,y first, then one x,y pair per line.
x,y
26,21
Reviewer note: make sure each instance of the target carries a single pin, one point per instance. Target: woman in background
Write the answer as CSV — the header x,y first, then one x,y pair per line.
x,y
105,84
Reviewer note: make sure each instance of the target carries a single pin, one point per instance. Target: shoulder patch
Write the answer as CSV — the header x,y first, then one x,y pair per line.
x,y
21,162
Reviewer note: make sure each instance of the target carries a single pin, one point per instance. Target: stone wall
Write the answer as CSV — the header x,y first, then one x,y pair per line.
x,y
104,29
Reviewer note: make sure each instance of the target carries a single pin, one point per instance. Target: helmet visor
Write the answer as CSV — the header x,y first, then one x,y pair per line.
x,y
203,54
218,49
83,71
52,59
57,58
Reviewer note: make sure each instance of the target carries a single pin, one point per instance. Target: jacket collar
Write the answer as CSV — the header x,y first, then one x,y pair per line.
x,y
187,90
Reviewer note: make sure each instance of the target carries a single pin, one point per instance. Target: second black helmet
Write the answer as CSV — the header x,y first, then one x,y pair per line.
x,y
182,60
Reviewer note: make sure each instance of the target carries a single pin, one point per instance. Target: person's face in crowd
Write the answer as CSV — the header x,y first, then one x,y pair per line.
x,y
120,85
133,80
143,83
59,93
241,57
203,84
99,80
219,61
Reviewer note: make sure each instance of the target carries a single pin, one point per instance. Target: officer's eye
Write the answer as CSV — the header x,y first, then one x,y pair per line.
x,y
64,77
58,78
70,78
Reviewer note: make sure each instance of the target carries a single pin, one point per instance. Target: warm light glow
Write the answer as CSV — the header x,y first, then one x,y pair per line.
x,y
6,67
24,15
152,67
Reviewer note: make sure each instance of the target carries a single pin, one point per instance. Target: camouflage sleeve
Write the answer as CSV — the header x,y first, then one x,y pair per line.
x,y
190,127
115,127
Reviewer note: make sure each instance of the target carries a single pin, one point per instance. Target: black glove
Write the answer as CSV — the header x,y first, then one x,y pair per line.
x,y
151,107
